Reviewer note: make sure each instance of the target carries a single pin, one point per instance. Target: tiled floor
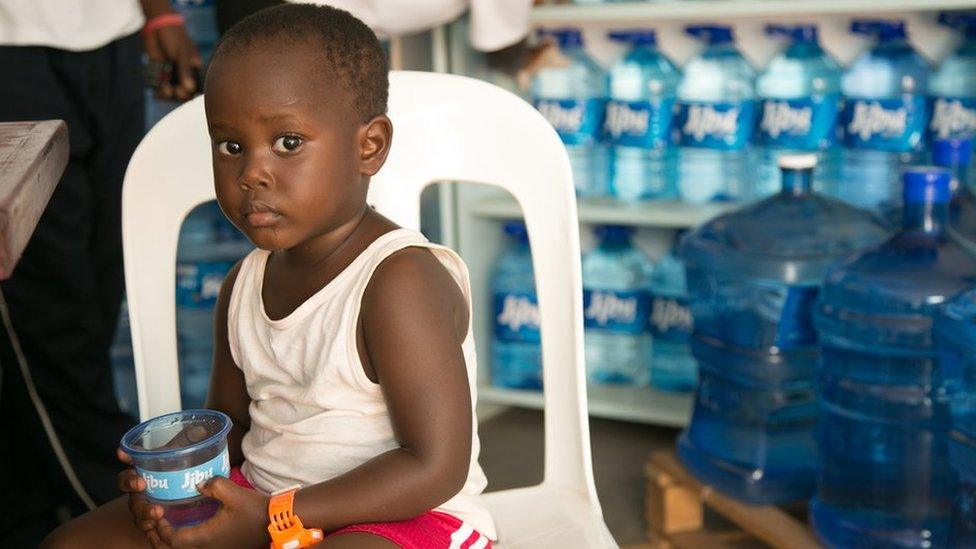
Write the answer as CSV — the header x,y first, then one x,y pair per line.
x,y
512,456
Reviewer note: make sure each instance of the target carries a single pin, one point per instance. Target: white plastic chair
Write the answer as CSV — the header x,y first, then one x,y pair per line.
x,y
446,128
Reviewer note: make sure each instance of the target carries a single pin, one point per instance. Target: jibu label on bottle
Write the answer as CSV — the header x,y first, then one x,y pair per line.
x,y
517,317
722,126
639,124
577,121
894,124
805,124
622,312
953,117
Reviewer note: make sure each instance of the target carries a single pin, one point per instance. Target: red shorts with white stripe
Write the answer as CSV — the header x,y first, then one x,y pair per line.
x,y
431,530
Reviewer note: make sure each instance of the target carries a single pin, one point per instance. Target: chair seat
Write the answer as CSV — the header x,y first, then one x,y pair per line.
x,y
543,516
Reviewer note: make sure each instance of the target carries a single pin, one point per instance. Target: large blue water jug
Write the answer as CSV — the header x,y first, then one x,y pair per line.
x,y
885,479
573,98
638,120
753,277
516,349
615,308
953,84
885,116
955,332
673,368
715,120
800,94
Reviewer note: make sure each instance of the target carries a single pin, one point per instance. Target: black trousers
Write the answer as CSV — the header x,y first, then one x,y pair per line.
x,y
65,293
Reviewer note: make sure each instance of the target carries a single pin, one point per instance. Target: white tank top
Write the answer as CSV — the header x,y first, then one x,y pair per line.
x,y
314,413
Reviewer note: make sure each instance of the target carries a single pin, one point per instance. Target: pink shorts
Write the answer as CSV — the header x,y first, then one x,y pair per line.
x,y
431,530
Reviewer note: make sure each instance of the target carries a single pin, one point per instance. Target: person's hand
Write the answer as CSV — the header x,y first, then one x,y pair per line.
x,y
241,521
171,43
144,514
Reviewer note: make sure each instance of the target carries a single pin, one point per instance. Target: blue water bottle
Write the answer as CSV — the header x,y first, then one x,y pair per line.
x,y
715,119
885,479
670,323
884,117
956,155
638,120
573,98
753,277
955,331
615,307
516,348
203,259
953,85
801,102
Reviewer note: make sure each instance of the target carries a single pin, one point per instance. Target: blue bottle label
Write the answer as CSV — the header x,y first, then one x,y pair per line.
x,y
577,121
670,318
721,126
642,124
517,317
198,283
953,117
795,328
806,124
623,312
182,484
895,124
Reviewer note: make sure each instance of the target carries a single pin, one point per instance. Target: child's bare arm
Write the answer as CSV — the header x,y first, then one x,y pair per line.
x,y
414,319
227,391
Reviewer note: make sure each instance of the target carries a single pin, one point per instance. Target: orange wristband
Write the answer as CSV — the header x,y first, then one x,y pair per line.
x,y
285,527
160,21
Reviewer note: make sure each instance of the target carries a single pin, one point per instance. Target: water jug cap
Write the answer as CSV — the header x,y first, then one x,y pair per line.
x,y
517,230
929,184
568,37
711,34
634,37
614,232
796,33
797,161
952,152
885,30
959,20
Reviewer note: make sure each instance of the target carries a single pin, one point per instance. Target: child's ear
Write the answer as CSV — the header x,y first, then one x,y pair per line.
x,y
375,138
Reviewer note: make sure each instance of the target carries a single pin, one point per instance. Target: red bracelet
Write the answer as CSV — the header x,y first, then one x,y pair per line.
x,y
160,21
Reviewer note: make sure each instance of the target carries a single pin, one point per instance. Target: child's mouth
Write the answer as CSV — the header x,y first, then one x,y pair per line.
x,y
260,215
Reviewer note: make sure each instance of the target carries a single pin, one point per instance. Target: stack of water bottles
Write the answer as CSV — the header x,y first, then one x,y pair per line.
x,y
645,130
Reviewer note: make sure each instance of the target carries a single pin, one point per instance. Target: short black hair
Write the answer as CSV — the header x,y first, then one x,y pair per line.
x,y
349,49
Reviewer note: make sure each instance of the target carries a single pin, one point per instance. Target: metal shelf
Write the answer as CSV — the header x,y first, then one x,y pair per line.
x,y
638,404
669,214
663,10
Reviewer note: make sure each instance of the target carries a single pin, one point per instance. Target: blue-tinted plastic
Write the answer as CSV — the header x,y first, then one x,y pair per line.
x,y
953,84
175,452
753,277
616,302
673,368
956,156
800,100
885,117
639,120
516,348
885,478
715,120
955,332
573,98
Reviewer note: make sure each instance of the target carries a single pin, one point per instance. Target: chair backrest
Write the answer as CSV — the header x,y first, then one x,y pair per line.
x,y
446,128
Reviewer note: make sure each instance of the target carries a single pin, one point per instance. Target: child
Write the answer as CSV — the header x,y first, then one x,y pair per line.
x,y
343,349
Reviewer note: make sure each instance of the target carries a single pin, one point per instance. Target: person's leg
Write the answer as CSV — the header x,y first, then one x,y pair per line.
x,y
107,527
356,540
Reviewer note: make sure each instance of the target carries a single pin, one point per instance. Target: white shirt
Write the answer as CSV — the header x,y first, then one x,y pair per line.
x,y
314,413
495,24
75,25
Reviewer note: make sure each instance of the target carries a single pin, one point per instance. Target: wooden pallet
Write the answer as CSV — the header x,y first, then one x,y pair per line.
x,y
676,506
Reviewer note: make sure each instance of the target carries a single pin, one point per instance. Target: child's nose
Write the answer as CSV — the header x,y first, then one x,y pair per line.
x,y
255,174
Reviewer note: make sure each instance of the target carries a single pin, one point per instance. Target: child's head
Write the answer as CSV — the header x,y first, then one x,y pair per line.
x,y
296,102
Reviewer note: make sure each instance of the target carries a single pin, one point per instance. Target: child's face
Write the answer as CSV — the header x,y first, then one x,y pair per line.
x,y
288,148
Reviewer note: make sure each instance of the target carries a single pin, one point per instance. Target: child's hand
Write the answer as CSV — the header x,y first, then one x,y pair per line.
x,y
241,521
144,513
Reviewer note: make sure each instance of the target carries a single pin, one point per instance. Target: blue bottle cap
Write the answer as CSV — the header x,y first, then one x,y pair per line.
x,y
517,230
796,33
928,184
635,37
614,232
952,152
711,34
961,20
884,29
568,37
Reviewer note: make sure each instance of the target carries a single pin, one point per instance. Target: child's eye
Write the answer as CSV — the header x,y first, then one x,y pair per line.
x,y
229,148
287,143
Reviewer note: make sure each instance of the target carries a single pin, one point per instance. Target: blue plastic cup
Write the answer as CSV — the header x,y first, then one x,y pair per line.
x,y
174,453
